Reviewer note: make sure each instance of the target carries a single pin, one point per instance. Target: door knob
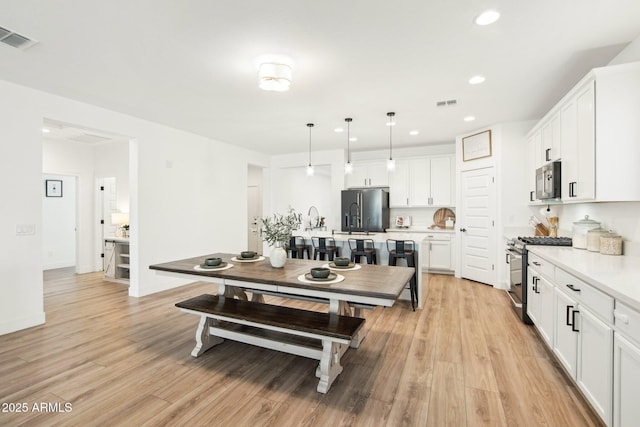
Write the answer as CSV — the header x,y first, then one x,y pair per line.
x,y
463,229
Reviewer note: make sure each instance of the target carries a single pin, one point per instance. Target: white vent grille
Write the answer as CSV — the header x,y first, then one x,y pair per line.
x,y
16,40
447,103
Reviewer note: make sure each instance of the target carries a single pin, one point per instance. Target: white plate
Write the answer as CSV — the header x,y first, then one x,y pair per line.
x,y
339,278
235,258
198,268
355,267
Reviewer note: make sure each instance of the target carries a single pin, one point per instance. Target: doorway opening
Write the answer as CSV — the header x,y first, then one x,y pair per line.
x,y
254,208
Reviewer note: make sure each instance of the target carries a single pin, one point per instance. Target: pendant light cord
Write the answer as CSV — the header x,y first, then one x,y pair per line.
x,y
348,120
309,125
390,134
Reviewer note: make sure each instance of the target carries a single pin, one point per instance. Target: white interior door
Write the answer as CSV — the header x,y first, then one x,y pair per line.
x,y
476,225
254,212
107,204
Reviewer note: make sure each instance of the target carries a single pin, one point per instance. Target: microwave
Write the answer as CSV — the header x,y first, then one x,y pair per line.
x,y
548,181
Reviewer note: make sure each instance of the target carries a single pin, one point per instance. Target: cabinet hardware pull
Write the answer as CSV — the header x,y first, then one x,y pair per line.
x,y
507,259
531,199
546,154
569,307
621,316
536,263
573,288
573,321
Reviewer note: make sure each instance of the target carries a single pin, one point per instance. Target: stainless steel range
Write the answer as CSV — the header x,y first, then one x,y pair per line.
x,y
517,260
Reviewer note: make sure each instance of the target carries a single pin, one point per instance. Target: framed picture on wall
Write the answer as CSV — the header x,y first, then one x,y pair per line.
x,y
53,188
476,146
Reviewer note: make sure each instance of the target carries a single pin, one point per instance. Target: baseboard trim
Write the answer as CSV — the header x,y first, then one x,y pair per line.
x,y
15,325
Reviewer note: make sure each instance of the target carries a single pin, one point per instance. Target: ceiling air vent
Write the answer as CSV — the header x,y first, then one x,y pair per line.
x,y
447,103
16,40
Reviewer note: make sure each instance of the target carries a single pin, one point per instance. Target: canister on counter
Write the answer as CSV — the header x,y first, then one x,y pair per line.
x,y
579,234
611,244
593,239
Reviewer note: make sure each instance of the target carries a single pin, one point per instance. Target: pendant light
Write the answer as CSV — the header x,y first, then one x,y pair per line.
x,y
391,164
309,166
348,167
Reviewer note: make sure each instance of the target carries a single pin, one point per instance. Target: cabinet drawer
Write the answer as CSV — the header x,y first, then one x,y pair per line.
x,y
438,236
599,303
542,267
627,321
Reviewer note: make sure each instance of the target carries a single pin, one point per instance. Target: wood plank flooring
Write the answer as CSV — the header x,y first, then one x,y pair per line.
x,y
465,360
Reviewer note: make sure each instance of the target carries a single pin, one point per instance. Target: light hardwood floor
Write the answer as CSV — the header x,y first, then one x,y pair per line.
x,y
463,361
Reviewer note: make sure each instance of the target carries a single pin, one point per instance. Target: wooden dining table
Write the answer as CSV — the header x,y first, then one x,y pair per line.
x,y
364,287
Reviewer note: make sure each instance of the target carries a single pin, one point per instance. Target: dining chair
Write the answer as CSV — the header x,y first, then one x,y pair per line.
x,y
405,249
363,248
324,247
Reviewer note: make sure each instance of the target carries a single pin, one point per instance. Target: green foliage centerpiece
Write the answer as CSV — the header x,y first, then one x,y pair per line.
x,y
276,231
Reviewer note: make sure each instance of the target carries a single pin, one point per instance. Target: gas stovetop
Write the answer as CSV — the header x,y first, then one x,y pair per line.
x,y
546,241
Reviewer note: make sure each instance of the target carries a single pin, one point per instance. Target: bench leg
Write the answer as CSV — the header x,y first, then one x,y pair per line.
x,y
330,366
204,341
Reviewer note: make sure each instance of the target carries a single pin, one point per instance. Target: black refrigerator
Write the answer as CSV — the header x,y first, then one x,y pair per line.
x,y
365,209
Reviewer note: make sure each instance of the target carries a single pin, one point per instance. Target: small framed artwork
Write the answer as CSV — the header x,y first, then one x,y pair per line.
x,y
476,146
53,188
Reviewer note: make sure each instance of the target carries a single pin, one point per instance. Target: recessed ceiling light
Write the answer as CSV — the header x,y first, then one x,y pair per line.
x,y
391,123
414,132
487,17
353,139
469,118
476,80
45,130
338,130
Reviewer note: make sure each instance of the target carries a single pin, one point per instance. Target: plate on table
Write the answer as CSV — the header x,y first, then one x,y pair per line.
x,y
351,266
252,259
222,266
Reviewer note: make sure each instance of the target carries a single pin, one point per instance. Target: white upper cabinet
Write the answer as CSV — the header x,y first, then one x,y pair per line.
x,y
551,140
369,174
422,182
594,130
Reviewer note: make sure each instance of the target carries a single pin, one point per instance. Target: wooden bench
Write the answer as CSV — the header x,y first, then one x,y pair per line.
x,y
320,336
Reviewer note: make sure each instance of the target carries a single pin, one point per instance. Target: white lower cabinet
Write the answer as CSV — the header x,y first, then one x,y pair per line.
x,y
626,382
595,362
437,250
540,304
565,334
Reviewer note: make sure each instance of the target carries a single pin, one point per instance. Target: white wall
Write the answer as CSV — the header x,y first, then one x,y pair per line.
x,y
111,159
59,224
630,53
176,209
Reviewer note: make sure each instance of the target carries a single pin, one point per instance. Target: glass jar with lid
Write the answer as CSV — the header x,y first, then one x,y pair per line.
x,y
579,231
593,239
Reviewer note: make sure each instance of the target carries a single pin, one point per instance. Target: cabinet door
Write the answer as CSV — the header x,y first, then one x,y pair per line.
x,y
569,150
532,164
109,261
399,185
595,362
551,139
533,300
359,176
420,188
378,176
441,184
565,342
626,382
440,255
545,311
584,188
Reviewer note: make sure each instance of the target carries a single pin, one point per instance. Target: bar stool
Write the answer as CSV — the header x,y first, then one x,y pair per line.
x,y
363,247
297,247
405,249
323,246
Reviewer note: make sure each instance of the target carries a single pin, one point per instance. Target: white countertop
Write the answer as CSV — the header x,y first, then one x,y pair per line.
x,y
615,275
421,230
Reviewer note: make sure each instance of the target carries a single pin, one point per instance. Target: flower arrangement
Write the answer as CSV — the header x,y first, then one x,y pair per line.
x,y
278,229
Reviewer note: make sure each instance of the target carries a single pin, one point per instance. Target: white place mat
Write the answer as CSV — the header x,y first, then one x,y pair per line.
x,y
198,268
355,267
339,278
260,258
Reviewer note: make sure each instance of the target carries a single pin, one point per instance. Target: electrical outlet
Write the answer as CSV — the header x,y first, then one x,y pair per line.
x,y
25,229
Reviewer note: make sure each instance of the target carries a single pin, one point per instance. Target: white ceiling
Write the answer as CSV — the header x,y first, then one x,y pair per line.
x,y
190,63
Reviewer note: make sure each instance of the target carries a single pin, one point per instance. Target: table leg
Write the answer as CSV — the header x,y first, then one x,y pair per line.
x,y
204,341
329,367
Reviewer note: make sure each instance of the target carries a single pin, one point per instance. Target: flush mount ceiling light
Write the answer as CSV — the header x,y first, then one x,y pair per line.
x,y
487,17
348,167
309,167
475,80
391,164
274,74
